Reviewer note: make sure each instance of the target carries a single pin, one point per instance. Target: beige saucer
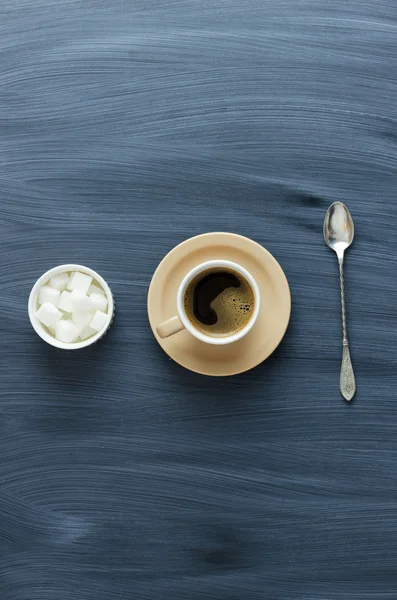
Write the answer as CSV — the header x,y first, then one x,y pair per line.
x,y
267,332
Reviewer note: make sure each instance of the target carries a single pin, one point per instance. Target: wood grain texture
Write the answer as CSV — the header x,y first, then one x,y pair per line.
x,y
127,127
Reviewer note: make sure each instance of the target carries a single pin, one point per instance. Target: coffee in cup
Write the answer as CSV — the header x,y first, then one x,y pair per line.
x,y
219,302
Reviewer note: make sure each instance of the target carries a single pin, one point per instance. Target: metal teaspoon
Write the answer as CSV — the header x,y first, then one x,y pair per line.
x,y
338,235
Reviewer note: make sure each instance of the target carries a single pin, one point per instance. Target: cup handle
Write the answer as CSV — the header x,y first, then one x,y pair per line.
x,y
170,327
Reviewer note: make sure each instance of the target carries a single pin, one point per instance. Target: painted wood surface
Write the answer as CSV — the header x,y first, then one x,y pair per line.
x,y
127,127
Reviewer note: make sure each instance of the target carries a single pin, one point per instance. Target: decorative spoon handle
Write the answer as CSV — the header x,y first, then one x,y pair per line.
x,y
347,379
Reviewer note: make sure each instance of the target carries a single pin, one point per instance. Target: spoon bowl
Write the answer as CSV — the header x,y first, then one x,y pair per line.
x,y
338,228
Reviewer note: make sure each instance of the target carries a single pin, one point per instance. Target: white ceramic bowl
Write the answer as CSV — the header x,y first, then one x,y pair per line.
x,y
33,306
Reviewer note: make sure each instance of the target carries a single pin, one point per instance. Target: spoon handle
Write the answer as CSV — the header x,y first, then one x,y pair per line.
x,y
347,380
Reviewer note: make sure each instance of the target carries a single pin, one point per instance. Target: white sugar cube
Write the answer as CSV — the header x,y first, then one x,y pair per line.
x,y
99,302
81,319
80,301
95,289
66,331
65,302
86,333
72,274
99,320
48,314
48,294
79,281
59,281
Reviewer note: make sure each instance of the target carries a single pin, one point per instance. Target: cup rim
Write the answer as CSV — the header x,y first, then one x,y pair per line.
x,y
218,341
39,327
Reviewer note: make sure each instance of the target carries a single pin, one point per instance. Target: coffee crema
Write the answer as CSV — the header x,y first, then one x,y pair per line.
x,y
219,302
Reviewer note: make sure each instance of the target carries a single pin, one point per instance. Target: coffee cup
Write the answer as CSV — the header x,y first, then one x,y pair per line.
x,y
218,302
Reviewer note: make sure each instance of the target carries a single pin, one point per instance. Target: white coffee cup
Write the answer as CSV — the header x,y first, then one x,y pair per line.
x,y
181,320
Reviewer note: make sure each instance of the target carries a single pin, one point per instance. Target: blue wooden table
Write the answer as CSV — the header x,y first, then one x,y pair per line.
x,y
127,127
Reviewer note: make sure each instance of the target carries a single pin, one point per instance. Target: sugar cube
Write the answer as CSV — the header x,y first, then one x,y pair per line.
x,y
59,281
99,302
95,289
48,294
65,302
66,331
79,281
80,301
86,333
48,314
99,320
81,319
